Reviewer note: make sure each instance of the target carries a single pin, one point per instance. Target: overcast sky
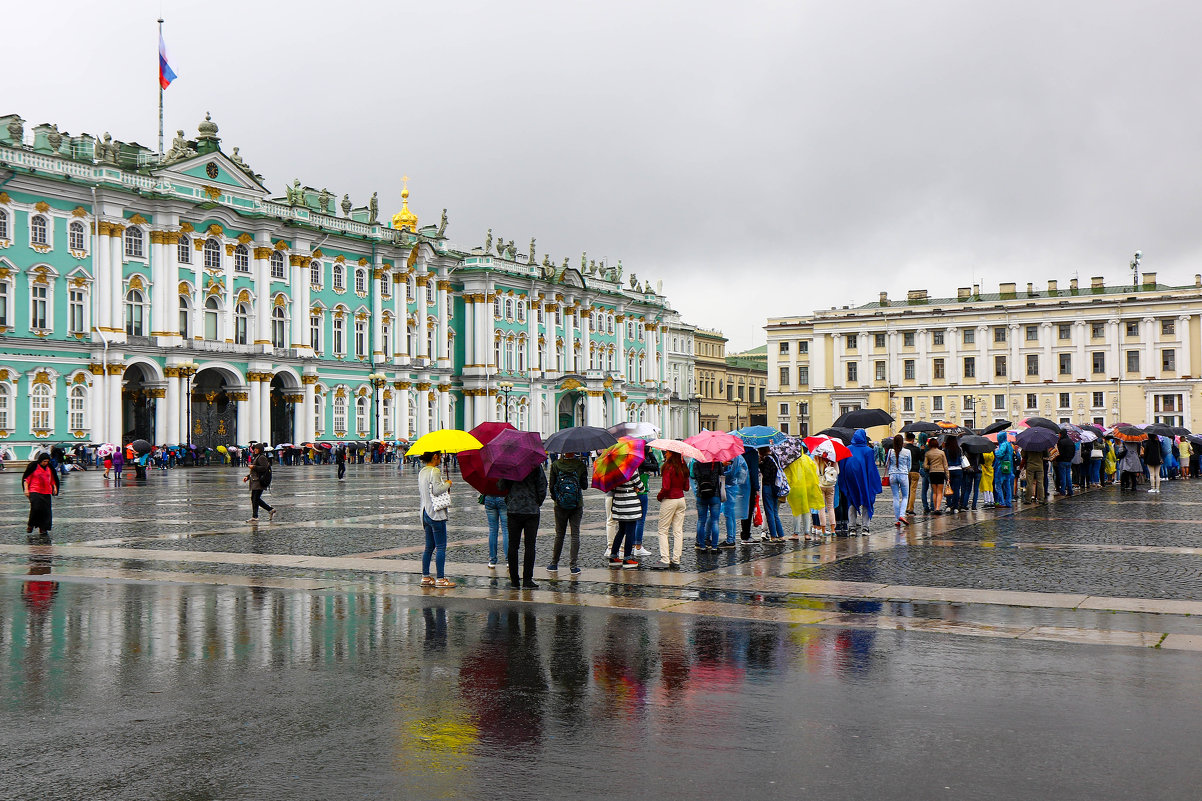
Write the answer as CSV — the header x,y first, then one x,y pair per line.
x,y
760,158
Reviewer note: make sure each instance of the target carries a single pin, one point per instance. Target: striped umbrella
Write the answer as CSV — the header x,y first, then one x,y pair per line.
x,y
1129,433
618,463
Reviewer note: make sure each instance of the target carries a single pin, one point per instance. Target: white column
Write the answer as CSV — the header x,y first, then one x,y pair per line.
x,y
531,335
1114,366
227,272
423,409
301,291
924,361
984,366
1013,368
98,405
298,423
381,350
261,275
552,345
894,363
1150,366
620,331
264,411
422,312
402,404
1080,337
307,411
444,339
400,310
158,309
444,408
103,279
172,435
865,343
242,420
114,405
1047,366
954,373
161,425
116,285
469,329
569,336
253,432
1185,358
170,311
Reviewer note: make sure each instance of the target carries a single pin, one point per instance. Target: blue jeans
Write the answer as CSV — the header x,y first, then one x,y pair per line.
x,y
498,519
728,516
436,543
1095,471
972,482
899,485
1003,489
707,521
642,521
926,491
772,513
1064,478
956,478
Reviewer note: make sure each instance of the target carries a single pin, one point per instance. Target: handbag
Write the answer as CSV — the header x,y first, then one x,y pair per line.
x,y
722,487
440,502
885,480
947,489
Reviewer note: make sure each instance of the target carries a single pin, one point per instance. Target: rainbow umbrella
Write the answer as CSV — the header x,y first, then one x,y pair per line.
x,y
618,463
512,455
717,446
470,464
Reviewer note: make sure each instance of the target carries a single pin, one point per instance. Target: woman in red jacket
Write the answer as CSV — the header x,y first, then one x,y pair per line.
x,y
672,507
40,483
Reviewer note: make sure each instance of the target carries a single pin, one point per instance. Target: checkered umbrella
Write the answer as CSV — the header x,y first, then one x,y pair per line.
x,y
618,463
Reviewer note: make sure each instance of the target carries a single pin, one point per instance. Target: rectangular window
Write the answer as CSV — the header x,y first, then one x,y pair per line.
x,y
784,376
803,346
38,306
937,368
1032,364
878,340
907,404
999,333
1064,331
803,376
1132,328
730,392
937,338
1097,330
851,341
315,333
1032,401
783,409
1066,363
1168,328
999,402
360,338
908,369
1098,400
1032,333
937,403
1099,361
784,349
1132,361
908,339
1065,402
880,371
75,307
853,371
970,367
970,336
1168,360
999,366
4,318
803,408
784,426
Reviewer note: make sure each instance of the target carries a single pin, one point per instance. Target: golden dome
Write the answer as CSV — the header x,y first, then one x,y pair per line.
x,y
405,218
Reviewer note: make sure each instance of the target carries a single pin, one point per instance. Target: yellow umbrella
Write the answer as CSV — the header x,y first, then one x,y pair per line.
x,y
446,440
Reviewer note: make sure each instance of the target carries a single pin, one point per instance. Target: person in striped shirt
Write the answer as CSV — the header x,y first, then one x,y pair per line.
x,y
627,511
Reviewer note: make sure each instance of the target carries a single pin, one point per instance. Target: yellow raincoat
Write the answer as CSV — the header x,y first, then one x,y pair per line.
x,y
987,472
804,494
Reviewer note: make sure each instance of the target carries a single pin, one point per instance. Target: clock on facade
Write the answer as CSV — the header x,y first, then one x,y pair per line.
x,y
211,170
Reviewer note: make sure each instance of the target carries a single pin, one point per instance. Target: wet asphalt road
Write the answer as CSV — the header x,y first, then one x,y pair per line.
x,y
124,690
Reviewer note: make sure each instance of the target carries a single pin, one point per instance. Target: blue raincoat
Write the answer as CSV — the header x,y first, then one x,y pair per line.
x,y
738,486
1004,449
859,479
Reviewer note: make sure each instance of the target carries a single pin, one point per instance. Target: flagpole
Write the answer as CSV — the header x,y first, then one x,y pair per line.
x,y
160,82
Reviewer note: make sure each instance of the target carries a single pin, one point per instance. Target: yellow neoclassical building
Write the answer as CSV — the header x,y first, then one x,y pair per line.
x,y
1096,353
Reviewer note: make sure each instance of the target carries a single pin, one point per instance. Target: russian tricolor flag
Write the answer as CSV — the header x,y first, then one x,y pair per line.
x,y
166,74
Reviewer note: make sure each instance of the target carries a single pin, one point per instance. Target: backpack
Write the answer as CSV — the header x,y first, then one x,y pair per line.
x,y
707,480
1004,465
566,491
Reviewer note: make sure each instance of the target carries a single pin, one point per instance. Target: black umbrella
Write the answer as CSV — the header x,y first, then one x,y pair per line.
x,y
1043,422
1181,431
1195,439
864,418
1160,430
579,439
976,444
1036,438
996,426
919,427
839,433
141,446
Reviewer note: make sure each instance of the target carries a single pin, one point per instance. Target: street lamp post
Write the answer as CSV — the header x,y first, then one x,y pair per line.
x,y
506,387
187,370
378,380
970,405
738,401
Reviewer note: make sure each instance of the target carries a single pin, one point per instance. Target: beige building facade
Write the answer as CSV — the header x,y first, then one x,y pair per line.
x,y
732,390
1078,354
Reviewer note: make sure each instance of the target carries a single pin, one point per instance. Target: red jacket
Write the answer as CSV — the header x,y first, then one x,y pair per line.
x,y
675,484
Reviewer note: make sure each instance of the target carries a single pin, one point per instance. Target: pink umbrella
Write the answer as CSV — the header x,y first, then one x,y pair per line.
x,y
717,446
686,450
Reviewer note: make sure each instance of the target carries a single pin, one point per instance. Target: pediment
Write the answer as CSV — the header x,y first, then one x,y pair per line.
x,y
212,169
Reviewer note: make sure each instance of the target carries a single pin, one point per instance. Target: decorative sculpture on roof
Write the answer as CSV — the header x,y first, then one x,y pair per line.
x,y
179,149
16,131
442,224
323,200
511,251
346,205
237,159
618,272
54,138
592,267
373,209
532,261
634,281
565,263
109,150
583,260
294,194
488,241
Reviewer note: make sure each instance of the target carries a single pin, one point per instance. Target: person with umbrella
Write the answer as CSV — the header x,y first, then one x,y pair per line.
x,y
568,481
1003,471
985,479
340,460
523,505
1065,451
40,484
1154,459
434,493
707,480
828,479
955,473
259,479
672,507
738,495
1035,463
859,482
752,459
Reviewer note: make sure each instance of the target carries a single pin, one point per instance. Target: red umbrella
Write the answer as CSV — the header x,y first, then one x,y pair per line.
x,y
512,455
470,464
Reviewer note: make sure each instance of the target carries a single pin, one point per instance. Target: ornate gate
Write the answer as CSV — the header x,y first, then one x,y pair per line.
x,y
214,418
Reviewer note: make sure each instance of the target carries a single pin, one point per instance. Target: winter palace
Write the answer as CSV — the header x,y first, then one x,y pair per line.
x,y
172,298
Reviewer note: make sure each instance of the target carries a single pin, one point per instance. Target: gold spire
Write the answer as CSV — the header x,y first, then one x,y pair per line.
x,y
405,218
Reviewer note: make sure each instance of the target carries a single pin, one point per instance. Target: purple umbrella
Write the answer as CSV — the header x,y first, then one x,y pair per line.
x,y
512,455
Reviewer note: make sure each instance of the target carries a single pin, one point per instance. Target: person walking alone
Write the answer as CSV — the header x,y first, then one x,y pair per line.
x,y
523,504
897,464
40,484
434,491
340,460
672,507
568,481
259,479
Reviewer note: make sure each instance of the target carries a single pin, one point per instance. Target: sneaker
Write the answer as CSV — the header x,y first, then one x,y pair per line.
x,y
715,549
630,564
553,568
270,515
255,520
575,571
641,551
427,581
529,585
674,566
492,565
615,561
726,544
701,548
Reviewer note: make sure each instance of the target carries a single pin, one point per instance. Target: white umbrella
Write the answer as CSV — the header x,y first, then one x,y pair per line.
x,y
634,430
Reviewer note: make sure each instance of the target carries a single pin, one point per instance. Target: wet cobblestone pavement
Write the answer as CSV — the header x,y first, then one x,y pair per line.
x,y
163,648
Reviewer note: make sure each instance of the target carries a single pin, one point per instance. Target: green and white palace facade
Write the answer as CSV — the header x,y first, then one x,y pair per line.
x,y
173,298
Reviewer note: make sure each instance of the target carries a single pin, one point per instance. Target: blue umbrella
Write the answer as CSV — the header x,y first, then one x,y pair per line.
x,y
760,436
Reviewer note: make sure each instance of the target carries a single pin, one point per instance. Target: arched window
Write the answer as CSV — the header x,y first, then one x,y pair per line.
x,y
430,287
241,259
509,354
339,276
339,335
134,243
508,308
38,233
361,416
410,340
521,311
361,281
339,416
521,356
39,408
212,254
430,352
361,338
315,274
277,327
185,316
319,412
183,252
386,414
241,324
496,354
135,312
386,336
3,224
6,408
542,356
277,266
77,403
212,319
496,308
386,286
75,237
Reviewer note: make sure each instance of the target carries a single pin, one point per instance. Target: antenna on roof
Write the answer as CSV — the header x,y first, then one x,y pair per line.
x,y
1135,269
